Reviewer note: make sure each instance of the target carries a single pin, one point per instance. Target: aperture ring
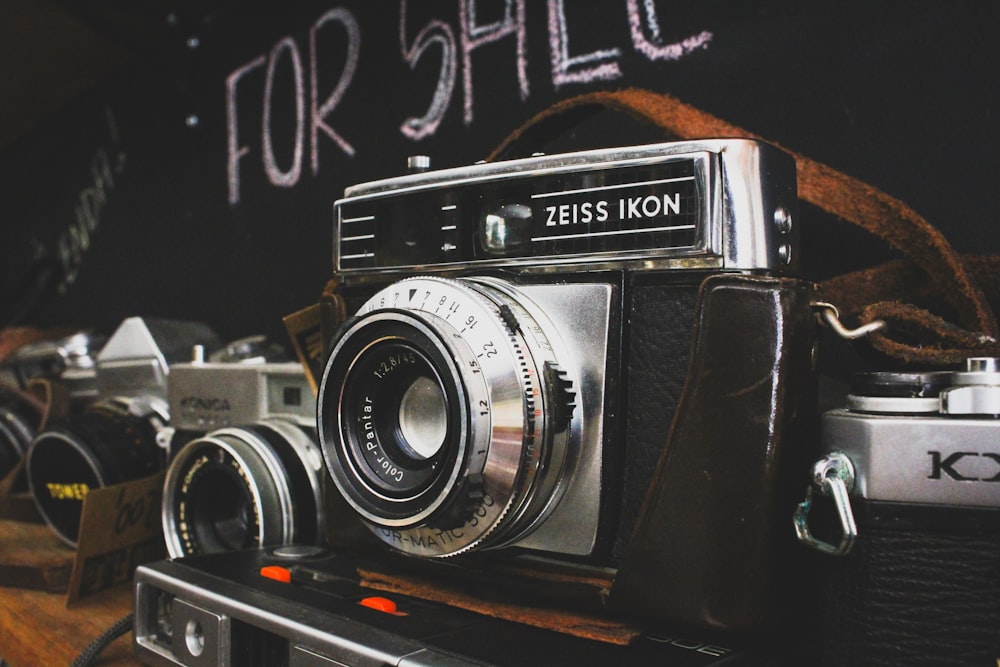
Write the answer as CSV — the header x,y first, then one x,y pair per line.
x,y
479,341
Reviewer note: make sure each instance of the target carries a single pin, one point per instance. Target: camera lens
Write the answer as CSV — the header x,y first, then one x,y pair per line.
x,y
240,487
399,450
110,442
20,415
445,419
423,419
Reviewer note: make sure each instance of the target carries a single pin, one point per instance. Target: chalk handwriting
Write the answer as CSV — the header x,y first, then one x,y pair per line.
x,y
277,177
235,150
74,242
318,111
434,33
653,46
474,35
456,46
600,65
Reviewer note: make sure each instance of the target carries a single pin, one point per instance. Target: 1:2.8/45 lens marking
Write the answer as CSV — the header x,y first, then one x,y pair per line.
x,y
392,361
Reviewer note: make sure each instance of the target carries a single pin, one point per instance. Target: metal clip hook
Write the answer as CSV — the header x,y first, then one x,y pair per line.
x,y
833,475
831,317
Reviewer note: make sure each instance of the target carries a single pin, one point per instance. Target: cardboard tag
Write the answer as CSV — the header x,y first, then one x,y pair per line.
x,y
15,501
306,332
120,529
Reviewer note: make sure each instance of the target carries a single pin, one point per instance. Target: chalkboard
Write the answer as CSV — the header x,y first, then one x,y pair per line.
x,y
197,182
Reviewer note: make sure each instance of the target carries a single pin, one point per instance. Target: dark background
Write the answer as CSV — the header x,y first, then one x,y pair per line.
x,y
115,135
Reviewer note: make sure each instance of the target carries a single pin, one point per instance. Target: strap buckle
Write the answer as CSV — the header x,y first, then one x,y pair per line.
x,y
833,475
830,316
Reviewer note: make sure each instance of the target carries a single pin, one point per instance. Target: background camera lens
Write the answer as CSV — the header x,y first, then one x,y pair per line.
x,y
19,417
240,487
224,520
107,444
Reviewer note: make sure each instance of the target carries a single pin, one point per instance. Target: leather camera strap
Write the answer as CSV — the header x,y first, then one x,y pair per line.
x,y
914,334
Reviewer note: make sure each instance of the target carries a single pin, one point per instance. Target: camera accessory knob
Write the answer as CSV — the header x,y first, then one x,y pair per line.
x,y
417,164
898,393
560,388
976,391
469,496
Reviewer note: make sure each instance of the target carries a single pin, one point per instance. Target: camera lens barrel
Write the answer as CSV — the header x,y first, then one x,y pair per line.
x,y
110,442
243,486
445,417
20,416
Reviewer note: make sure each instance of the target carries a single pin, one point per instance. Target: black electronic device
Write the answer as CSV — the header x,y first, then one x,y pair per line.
x,y
303,606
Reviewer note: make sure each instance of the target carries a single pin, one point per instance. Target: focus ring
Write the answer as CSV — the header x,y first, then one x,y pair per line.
x,y
490,351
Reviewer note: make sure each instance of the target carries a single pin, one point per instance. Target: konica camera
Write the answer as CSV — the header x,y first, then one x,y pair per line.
x,y
911,465
116,435
245,468
577,382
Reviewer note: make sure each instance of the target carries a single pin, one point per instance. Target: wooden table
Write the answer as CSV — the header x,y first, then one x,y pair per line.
x,y
36,627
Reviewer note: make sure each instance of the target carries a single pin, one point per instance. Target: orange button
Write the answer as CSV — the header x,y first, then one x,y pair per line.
x,y
380,604
282,574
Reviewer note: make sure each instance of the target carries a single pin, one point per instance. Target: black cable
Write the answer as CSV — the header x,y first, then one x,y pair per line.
x,y
94,648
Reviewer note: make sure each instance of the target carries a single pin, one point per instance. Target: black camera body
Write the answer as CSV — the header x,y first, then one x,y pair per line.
x,y
26,389
913,464
114,430
527,334
574,393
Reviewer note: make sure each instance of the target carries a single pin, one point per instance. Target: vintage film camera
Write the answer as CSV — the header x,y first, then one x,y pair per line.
x,y
20,416
69,361
589,367
116,436
912,462
245,468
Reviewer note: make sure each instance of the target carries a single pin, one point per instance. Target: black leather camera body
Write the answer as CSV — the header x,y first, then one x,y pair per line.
x,y
593,358
571,393
912,462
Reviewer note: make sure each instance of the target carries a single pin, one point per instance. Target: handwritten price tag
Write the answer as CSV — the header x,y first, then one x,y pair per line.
x,y
120,529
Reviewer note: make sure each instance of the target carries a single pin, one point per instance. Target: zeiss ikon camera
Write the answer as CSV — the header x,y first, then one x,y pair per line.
x,y
245,469
912,462
575,381
113,437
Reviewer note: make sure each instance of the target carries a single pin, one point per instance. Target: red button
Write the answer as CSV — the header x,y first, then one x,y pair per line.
x,y
282,574
380,604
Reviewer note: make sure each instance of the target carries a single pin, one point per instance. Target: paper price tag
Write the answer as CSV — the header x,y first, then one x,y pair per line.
x,y
120,529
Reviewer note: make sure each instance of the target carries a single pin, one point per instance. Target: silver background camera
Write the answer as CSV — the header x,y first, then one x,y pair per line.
x,y
252,472
913,467
118,436
941,448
